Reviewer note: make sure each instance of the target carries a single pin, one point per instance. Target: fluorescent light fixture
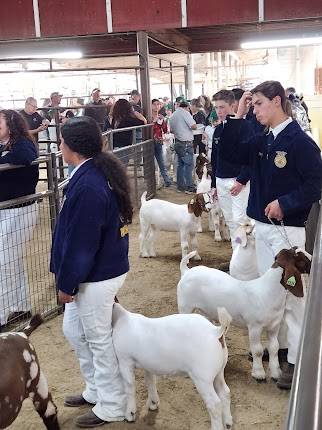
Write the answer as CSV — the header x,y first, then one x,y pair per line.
x,y
279,43
68,55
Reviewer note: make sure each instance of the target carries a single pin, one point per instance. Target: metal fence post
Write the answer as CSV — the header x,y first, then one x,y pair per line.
x,y
51,187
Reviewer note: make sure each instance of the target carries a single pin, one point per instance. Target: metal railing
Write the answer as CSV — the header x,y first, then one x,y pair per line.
x,y
27,224
305,408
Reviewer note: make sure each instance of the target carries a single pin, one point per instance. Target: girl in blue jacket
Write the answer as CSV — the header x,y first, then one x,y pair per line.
x,y
17,219
90,260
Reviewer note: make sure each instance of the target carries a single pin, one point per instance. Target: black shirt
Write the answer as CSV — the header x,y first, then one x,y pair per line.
x,y
33,120
124,138
97,113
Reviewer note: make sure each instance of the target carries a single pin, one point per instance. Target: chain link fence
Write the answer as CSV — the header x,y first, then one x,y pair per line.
x,y
27,224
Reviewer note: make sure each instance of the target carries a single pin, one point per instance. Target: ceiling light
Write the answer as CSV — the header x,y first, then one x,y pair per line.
x,y
278,43
69,55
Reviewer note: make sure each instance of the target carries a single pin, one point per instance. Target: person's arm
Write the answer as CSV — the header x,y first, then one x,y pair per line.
x,y
309,168
191,123
22,153
139,116
238,142
213,163
86,221
244,175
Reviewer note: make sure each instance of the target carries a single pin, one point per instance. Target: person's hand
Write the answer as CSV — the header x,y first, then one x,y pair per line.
x,y
244,104
42,127
273,210
64,298
213,192
236,188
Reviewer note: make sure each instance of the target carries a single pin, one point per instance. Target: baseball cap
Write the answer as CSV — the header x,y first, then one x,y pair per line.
x,y
134,93
94,90
55,93
181,99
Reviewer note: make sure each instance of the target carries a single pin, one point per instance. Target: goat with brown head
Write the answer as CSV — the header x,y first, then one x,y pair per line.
x,y
202,161
295,263
202,202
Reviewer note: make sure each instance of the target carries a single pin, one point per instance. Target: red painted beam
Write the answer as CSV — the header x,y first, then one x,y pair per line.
x,y
17,19
205,12
278,10
72,17
143,14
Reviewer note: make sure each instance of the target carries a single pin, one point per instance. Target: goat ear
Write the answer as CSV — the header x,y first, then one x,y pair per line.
x,y
197,207
191,206
302,263
240,236
292,281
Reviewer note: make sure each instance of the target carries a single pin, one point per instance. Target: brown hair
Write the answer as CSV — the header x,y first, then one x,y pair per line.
x,y
17,126
271,89
225,95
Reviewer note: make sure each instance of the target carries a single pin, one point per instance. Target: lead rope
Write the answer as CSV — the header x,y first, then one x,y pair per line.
x,y
282,232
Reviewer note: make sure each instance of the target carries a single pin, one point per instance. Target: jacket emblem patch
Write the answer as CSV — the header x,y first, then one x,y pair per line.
x,y
280,160
124,230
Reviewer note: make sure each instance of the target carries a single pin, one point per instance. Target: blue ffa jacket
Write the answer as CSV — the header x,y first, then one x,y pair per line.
x,y
223,167
90,241
289,170
19,182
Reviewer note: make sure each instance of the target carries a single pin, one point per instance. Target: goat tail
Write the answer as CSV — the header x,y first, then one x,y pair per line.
x,y
143,198
35,322
184,262
224,320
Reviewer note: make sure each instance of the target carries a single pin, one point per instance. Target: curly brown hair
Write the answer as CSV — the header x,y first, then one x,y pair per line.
x,y
17,126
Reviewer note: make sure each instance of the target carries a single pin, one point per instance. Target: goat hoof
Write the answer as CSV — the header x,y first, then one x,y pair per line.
x,y
130,417
153,406
274,380
261,381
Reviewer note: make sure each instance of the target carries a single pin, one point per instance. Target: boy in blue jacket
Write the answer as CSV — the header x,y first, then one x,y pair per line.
x,y
286,179
230,180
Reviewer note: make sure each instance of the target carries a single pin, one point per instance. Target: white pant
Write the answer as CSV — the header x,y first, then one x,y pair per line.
x,y
16,227
233,207
269,242
88,327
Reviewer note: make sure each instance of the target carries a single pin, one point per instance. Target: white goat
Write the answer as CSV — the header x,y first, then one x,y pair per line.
x,y
255,304
162,215
216,219
170,345
243,263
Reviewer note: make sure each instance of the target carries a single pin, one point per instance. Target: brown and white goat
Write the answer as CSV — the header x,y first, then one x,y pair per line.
x,y
22,378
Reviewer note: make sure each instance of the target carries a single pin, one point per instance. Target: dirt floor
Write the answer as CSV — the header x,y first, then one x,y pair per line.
x,y
150,289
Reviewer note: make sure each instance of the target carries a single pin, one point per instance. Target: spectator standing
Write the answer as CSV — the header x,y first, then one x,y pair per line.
x,y
90,260
160,127
55,100
96,108
35,122
123,116
200,119
207,106
135,100
284,185
181,125
18,221
229,180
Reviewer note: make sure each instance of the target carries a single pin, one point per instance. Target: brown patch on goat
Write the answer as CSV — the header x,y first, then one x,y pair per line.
x,y
201,161
293,264
20,377
222,341
197,205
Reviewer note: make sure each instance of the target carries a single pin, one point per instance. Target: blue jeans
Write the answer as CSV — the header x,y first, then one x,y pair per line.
x,y
184,151
159,157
